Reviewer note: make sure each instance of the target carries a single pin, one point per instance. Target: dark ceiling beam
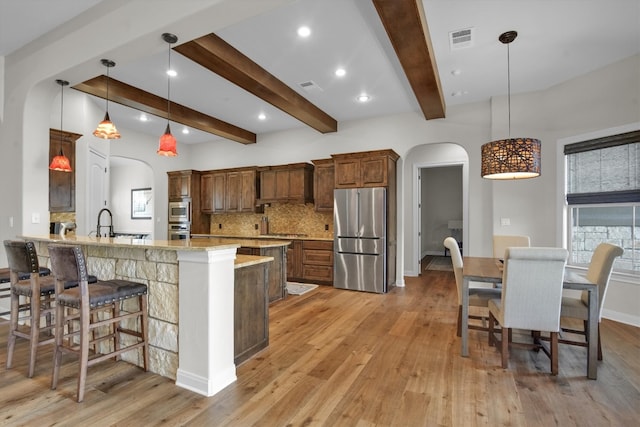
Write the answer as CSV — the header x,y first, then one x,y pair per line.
x,y
138,99
406,26
218,56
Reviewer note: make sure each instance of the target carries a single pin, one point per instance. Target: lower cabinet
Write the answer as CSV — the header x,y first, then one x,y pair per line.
x,y
250,310
310,261
277,286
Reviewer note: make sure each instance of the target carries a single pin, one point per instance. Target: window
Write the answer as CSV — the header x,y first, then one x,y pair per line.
x,y
603,194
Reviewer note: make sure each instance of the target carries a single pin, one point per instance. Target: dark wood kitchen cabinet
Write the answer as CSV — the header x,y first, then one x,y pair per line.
x,y
365,169
179,185
292,183
213,192
230,190
310,261
323,184
62,185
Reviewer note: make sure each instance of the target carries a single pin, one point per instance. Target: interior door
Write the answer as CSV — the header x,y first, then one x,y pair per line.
x,y
98,188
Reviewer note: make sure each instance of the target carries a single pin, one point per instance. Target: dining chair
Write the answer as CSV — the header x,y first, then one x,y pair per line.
x,y
502,242
478,297
530,299
599,272
99,307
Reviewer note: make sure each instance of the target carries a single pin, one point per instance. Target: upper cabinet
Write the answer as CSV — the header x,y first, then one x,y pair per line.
x,y
180,184
323,184
292,183
62,185
365,169
229,190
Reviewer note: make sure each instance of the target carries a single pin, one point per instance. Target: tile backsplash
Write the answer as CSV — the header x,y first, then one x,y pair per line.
x,y
283,218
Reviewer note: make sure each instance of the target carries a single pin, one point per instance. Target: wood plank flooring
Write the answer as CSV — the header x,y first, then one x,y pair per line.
x,y
343,358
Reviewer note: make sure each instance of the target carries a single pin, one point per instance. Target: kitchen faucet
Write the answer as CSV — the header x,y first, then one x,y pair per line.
x,y
111,233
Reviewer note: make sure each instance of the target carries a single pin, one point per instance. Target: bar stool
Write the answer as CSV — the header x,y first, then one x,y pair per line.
x,y
25,281
5,288
94,306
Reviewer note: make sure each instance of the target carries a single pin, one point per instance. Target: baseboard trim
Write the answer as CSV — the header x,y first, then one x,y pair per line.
x,y
625,318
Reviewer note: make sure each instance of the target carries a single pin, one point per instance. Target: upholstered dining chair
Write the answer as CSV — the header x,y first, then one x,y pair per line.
x,y
478,297
84,305
531,297
502,242
599,272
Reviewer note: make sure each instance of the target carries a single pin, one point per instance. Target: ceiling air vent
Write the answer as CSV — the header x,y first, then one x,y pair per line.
x,y
461,39
310,86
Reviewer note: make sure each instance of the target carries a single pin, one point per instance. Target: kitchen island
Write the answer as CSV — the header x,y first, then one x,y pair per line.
x,y
191,300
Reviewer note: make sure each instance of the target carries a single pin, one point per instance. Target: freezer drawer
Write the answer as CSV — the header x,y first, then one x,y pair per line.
x,y
355,245
360,272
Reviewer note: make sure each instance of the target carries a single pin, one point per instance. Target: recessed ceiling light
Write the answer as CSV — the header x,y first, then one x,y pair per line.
x,y
262,116
185,131
363,97
143,117
304,31
340,72
456,72
172,73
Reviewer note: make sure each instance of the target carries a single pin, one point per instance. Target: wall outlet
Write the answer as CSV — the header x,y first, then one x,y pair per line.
x,y
220,226
255,226
505,221
326,227
35,218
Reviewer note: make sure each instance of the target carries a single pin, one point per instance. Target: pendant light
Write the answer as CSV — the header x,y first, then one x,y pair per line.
x,y
106,129
168,143
61,162
512,158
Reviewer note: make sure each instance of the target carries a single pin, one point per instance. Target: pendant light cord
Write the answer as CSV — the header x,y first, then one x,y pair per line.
x,y
509,88
169,87
61,112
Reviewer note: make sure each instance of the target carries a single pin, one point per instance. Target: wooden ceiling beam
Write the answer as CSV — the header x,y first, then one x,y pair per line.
x,y
406,26
138,99
218,56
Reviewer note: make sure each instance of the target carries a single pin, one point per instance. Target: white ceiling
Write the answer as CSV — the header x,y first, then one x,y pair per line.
x,y
558,40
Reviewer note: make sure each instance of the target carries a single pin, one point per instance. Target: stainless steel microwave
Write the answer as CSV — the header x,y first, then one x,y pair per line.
x,y
180,211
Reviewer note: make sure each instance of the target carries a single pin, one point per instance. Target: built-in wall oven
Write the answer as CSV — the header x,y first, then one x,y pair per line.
x,y
179,231
180,211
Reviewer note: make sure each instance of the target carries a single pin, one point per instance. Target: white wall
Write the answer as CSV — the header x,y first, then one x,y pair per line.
x,y
127,175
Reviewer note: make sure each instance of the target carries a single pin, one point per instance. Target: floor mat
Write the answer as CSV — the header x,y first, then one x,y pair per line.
x,y
299,288
440,263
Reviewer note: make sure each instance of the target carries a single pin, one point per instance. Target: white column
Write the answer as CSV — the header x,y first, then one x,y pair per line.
x,y
205,323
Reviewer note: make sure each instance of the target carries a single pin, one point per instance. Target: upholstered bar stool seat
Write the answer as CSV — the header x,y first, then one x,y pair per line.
x,y
5,286
95,315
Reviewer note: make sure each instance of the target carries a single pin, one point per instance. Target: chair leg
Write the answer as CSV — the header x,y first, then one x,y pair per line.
x,y
554,353
57,350
491,325
34,332
13,326
599,344
144,330
85,338
506,333
459,321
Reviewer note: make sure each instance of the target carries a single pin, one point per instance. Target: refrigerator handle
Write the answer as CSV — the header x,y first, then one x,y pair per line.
x,y
358,232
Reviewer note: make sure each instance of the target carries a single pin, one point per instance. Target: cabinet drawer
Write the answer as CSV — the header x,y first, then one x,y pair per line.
x,y
318,273
317,257
325,245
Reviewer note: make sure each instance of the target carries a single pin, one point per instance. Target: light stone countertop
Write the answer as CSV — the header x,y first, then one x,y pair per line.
x,y
247,260
205,244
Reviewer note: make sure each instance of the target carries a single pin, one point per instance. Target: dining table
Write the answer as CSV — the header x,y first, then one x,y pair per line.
x,y
489,270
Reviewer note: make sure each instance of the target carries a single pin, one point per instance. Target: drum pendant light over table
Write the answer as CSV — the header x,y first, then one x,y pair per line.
x,y
61,162
106,129
168,143
512,158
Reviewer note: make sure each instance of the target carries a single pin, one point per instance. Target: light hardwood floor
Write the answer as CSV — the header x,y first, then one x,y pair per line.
x,y
342,358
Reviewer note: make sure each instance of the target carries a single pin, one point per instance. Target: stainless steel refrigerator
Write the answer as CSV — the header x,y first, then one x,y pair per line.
x,y
360,239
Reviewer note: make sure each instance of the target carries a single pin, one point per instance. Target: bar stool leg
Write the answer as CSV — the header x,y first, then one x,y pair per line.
x,y
57,352
84,348
13,326
144,330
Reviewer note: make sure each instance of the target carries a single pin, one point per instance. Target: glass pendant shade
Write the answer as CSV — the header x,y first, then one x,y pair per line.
x,y
60,162
514,158
167,144
106,129
511,158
